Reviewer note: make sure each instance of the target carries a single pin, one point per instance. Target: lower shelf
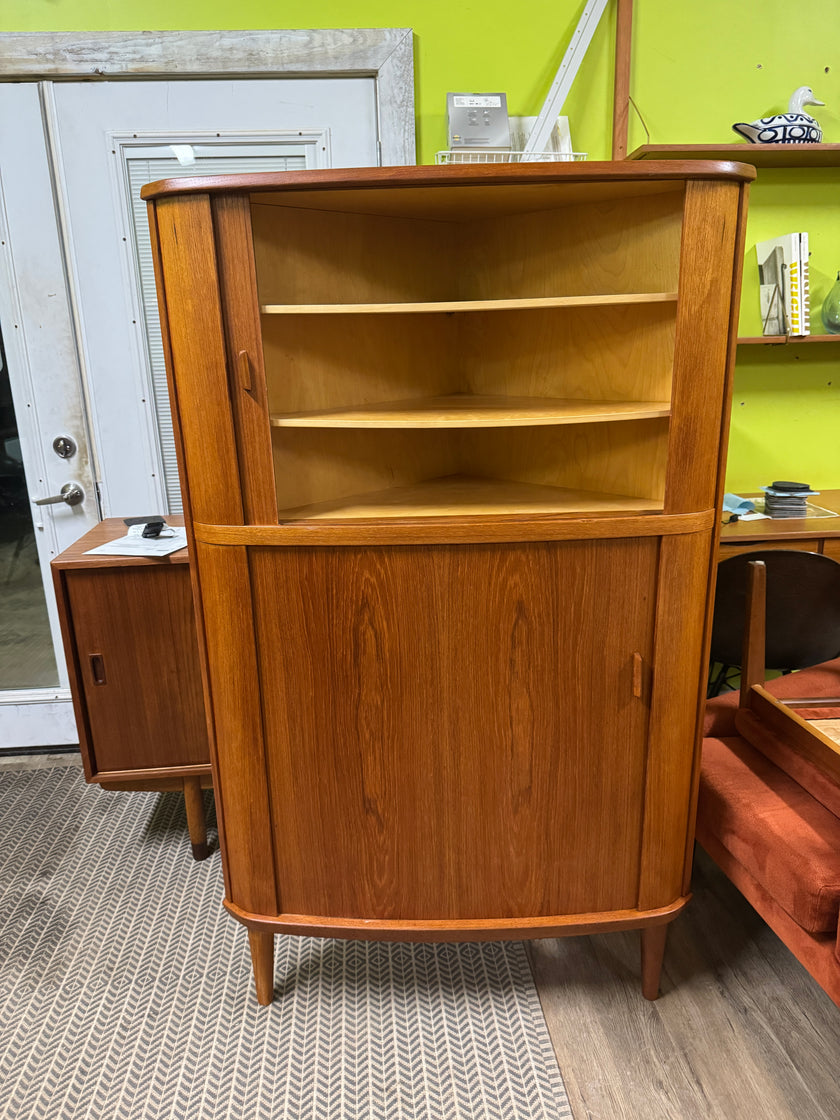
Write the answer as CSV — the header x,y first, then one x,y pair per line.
x,y
464,495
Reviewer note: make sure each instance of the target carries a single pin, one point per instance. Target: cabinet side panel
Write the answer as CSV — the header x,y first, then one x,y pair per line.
x,y
703,354
188,294
678,676
441,738
239,773
243,338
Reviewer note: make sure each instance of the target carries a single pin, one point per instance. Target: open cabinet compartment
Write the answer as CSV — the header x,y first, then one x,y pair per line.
x,y
410,336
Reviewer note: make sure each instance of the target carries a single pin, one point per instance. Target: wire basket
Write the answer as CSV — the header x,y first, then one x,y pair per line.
x,y
479,155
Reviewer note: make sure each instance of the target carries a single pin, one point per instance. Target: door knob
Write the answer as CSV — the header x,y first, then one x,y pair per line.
x,y
71,493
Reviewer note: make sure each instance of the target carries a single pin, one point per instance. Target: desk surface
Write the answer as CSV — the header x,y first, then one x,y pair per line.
x,y
803,528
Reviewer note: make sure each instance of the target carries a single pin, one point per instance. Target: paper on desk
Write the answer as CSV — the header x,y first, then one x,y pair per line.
x,y
134,544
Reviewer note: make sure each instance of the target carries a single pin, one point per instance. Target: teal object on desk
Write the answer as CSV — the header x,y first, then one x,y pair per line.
x,y
733,503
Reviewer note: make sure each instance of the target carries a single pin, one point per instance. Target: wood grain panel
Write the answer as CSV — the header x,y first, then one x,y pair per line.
x,y
138,664
318,256
234,693
604,353
627,245
243,346
326,465
626,458
188,292
451,769
679,670
354,360
709,267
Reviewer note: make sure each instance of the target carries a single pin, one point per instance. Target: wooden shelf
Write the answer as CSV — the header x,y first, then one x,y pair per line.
x,y
465,305
470,411
759,155
463,495
786,339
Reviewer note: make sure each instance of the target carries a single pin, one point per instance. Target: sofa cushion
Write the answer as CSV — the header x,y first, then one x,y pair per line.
x,y
774,828
821,786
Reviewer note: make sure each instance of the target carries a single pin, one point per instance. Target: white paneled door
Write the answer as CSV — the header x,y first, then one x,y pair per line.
x,y
82,387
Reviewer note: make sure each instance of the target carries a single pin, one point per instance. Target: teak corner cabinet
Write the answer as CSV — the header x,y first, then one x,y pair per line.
x,y
451,446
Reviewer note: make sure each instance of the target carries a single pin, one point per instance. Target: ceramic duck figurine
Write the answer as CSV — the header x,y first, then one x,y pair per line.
x,y
792,127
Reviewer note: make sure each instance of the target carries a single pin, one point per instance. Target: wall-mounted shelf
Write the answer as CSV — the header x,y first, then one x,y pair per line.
x,y
759,155
786,339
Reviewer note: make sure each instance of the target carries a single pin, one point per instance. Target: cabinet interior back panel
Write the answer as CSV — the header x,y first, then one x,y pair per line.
x,y
459,202
596,353
315,465
429,734
624,245
332,361
306,256
318,465
627,458
621,245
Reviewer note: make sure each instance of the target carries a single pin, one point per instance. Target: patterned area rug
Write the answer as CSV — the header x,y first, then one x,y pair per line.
x,y
126,991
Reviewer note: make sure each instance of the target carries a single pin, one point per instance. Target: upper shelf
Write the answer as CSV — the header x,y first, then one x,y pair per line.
x,y
473,411
760,155
465,305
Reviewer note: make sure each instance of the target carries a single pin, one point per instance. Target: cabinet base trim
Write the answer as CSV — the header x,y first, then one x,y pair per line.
x,y
474,929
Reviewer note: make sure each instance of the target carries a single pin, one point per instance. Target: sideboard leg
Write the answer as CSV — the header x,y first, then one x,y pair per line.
x,y
196,823
653,950
262,960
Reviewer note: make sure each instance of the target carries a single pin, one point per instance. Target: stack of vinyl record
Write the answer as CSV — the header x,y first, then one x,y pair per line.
x,y
787,499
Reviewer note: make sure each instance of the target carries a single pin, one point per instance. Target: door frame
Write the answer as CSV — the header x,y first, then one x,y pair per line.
x,y
385,54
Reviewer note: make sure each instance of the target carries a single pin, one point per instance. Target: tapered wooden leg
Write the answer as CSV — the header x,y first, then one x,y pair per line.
x,y
262,961
653,950
195,818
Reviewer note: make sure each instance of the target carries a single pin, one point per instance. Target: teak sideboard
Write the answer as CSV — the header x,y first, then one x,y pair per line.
x,y
128,628
451,443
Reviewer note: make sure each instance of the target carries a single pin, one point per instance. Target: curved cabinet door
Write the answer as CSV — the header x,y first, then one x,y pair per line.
x,y
456,732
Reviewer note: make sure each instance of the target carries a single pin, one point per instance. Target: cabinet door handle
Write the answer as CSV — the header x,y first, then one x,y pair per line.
x,y
97,668
243,365
637,675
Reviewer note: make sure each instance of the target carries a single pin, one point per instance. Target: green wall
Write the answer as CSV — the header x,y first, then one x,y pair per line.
x,y
697,68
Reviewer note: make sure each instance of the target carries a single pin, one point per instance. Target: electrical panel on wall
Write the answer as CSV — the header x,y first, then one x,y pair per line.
x,y
478,120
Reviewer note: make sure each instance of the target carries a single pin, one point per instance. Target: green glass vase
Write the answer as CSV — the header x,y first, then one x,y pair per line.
x,y
831,309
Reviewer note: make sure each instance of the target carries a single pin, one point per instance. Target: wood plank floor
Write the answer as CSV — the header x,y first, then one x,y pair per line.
x,y
741,1031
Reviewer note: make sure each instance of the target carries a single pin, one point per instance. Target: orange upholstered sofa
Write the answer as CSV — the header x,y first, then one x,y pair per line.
x,y
769,813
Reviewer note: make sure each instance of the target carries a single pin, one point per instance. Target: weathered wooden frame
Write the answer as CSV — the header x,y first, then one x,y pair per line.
x,y
385,54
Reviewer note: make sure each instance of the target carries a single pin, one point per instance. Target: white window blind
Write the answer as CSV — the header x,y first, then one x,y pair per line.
x,y
147,169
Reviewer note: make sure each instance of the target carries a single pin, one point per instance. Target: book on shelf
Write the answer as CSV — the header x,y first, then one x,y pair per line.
x,y
783,284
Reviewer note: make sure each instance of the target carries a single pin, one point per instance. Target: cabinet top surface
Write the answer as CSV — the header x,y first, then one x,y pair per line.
x,y
111,529
471,174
